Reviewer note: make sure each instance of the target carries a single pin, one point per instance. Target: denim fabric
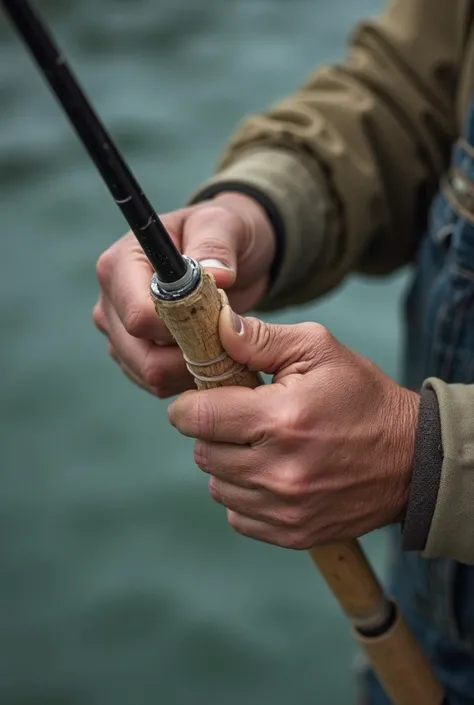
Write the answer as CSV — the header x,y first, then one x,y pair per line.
x,y
437,595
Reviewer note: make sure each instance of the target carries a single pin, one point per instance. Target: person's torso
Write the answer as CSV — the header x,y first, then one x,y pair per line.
x,y
440,342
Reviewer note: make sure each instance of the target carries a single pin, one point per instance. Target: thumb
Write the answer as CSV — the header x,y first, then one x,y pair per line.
x,y
211,235
271,348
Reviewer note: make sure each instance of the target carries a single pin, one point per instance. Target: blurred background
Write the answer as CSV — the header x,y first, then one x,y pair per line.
x,y
120,581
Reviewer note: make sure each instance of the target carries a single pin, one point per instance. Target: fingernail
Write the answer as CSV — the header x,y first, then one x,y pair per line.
x,y
215,264
238,324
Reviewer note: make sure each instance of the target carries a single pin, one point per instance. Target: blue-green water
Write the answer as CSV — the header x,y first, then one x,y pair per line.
x,y
120,582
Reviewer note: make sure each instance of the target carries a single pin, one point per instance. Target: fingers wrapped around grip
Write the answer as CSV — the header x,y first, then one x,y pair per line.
x,y
124,274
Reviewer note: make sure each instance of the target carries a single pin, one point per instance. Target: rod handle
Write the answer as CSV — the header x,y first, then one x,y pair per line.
x,y
193,321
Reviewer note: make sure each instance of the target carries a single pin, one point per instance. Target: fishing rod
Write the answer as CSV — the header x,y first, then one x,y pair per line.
x,y
188,301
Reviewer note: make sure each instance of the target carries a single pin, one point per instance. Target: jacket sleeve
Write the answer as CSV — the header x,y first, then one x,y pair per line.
x,y
352,159
446,494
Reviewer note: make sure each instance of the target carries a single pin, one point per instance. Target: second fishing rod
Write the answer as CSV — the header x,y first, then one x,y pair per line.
x,y
188,301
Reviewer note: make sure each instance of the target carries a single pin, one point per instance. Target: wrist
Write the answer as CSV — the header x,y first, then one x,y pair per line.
x,y
408,418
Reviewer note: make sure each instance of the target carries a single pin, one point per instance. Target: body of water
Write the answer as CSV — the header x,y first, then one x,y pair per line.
x,y
120,582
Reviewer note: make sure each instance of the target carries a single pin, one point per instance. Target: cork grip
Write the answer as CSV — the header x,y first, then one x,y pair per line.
x,y
193,322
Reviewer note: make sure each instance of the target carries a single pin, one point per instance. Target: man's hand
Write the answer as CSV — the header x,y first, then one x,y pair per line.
x,y
230,235
322,454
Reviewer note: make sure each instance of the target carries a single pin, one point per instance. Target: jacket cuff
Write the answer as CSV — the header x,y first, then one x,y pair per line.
x,y
451,532
427,465
300,201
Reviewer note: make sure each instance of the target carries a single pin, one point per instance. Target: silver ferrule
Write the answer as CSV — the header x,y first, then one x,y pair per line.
x,y
178,289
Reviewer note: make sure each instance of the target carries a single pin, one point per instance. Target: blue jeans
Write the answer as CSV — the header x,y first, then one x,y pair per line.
x,y
437,595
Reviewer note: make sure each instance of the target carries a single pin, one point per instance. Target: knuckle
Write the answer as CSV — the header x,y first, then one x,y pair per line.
x,y
290,483
233,520
293,517
210,214
201,458
205,417
316,330
136,322
213,219
214,491
291,423
104,267
217,249
318,334
298,540
112,352
161,392
154,376
98,317
262,335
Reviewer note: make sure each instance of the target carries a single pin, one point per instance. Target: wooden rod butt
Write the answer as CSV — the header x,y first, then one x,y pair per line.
x,y
394,654
350,577
401,666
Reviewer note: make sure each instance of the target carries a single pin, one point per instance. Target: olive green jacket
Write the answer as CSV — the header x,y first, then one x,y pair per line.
x,y
351,161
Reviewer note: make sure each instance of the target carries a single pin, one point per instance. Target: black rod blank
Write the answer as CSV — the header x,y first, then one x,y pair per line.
x,y
139,213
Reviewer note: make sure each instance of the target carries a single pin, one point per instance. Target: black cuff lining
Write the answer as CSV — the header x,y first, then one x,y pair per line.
x,y
427,466
267,204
